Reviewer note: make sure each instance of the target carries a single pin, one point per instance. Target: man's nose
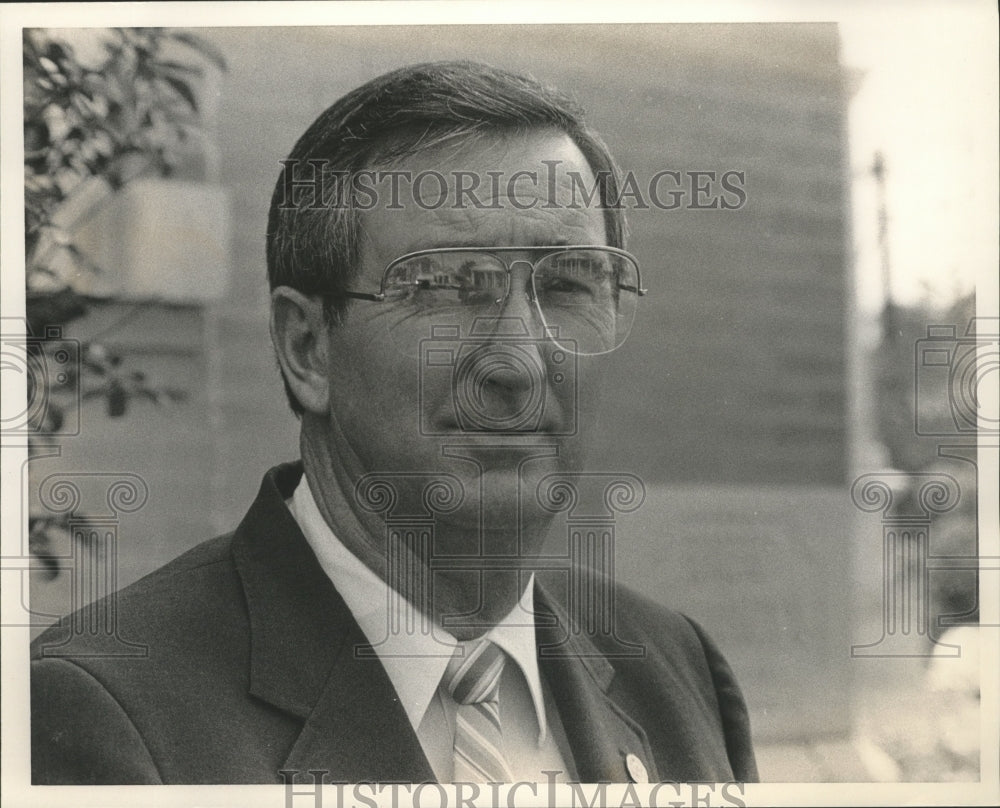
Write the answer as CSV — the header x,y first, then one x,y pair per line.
x,y
505,373
516,335
518,315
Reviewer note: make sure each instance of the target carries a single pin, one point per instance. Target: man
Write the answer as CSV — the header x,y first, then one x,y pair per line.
x,y
446,265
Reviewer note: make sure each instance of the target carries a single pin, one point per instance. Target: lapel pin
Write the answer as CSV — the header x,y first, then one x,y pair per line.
x,y
636,769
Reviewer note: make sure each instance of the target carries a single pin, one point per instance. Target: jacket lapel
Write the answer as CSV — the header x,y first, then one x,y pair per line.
x,y
303,660
358,730
605,741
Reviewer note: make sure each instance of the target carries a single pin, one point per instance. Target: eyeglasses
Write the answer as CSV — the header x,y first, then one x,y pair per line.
x,y
584,297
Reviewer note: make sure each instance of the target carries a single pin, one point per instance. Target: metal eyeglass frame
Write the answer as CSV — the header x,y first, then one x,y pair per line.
x,y
379,296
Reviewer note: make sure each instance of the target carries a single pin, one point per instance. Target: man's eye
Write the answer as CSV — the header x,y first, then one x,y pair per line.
x,y
566,286
576,287
575,273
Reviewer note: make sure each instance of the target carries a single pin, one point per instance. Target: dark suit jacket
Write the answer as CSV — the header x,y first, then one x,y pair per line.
x,y
249,669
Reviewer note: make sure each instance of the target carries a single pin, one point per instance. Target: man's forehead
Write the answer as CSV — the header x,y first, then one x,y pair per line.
x,y
526,190
485,150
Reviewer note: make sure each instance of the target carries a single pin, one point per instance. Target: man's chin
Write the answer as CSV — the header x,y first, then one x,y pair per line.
x,y
467,604
499,499
499,517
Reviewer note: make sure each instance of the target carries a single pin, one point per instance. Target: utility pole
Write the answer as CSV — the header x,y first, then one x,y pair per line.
x,y
888,308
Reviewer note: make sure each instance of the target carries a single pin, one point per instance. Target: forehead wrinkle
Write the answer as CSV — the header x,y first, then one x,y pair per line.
x,y
415,227
530,228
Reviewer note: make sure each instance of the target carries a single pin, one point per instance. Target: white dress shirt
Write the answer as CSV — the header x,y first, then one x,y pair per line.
x,y
416,660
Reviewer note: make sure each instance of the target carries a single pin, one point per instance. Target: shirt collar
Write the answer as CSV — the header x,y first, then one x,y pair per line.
x,y
515,634
414,660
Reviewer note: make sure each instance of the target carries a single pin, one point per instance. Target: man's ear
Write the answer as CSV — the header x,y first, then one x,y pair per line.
x,y
300,334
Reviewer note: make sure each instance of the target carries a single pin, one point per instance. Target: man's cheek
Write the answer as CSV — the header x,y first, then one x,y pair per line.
x,y
586,390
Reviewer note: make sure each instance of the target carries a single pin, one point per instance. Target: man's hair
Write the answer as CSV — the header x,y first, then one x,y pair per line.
x,y
313,244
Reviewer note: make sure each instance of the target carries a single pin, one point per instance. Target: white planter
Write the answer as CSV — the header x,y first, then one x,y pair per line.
x,y
158,240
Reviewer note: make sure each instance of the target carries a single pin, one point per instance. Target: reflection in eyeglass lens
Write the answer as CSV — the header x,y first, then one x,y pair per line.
x,y
586,296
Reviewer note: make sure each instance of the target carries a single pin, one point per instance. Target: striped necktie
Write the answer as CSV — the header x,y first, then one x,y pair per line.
x,y
473,679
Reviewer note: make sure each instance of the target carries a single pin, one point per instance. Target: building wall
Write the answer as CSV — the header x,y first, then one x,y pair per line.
x,y
741,338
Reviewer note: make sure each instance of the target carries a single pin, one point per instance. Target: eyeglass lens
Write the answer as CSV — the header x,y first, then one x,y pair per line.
x,y
585,299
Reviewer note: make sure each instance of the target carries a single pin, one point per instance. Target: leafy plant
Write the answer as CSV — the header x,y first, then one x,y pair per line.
x,y
91,126
129,114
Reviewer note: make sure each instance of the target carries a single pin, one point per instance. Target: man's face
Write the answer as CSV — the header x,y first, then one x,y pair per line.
x,y
398,388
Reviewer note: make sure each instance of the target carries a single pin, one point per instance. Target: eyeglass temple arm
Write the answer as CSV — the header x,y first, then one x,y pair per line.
x,y
635,289
378,297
